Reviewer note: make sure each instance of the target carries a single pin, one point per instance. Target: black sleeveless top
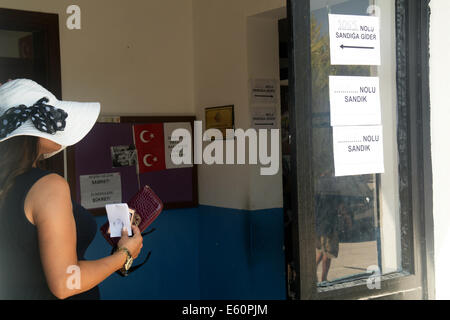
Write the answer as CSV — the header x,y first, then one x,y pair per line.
x,y
21,272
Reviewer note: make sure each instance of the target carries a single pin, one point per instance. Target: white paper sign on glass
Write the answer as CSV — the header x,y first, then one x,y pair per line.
x,y
358,150
100,189
354,40
169,128
355,101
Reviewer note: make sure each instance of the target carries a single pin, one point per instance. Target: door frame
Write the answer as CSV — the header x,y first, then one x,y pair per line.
x,y
47,24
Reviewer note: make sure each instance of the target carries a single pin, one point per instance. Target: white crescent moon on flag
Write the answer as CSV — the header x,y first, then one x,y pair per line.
x,y
142,136
145,160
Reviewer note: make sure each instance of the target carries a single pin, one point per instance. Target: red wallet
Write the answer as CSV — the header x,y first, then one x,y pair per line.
x,y
146,206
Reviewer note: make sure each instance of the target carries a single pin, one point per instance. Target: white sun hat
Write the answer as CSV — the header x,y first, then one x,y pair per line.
x,y
28,109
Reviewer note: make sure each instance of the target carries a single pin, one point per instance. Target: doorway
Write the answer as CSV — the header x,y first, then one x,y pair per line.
x,y
29,48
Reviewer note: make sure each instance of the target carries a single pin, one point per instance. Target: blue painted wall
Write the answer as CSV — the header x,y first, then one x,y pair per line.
x,y
205,253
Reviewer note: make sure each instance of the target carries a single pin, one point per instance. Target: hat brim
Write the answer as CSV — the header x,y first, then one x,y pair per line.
x,y
80,120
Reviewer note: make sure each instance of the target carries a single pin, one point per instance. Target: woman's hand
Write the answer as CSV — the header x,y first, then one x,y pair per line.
x,y
133,244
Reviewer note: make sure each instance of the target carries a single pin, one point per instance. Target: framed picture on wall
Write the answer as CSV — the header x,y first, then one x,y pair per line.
x,y
221,118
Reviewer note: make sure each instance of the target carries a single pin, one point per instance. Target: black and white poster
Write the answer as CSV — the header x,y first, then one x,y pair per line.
x,y
123,156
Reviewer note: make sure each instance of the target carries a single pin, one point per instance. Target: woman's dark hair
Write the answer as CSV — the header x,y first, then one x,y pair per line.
x,y
17,155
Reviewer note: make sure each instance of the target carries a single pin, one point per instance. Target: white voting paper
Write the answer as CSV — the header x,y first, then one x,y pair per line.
x,y
358,150
354,40
169,145
100,189
119,218
355,101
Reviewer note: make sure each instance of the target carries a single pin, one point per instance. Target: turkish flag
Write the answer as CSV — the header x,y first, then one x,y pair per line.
x,y
149,140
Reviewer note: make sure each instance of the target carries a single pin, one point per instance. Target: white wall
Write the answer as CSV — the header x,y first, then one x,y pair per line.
x,y
440,119
225,60
135,57
220,79
263,63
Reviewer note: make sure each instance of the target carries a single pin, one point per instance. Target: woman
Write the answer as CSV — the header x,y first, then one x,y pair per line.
x,y
43,234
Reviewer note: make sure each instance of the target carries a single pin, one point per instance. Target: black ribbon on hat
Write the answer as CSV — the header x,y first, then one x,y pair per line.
x,y
45,118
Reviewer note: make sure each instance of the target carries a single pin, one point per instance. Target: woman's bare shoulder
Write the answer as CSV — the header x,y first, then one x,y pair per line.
x,y
49,192
51,183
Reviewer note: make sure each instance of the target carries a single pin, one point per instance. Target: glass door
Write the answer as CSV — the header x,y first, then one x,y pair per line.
x,y
359,233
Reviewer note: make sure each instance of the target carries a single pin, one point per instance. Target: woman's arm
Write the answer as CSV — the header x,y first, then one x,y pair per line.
x,y
51,208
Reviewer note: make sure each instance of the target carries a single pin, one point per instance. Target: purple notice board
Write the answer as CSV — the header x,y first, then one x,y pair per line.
x,y
177,188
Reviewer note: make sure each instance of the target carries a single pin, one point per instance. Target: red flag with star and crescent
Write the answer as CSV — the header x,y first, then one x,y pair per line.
x,y
149,140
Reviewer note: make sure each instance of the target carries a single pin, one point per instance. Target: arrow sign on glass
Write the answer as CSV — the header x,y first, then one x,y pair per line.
x,y
355,47
354,40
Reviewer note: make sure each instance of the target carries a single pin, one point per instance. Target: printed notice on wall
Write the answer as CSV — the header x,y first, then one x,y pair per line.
x,y
264,91
354,40
100,189
358,150
264,117
355,101
169,145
